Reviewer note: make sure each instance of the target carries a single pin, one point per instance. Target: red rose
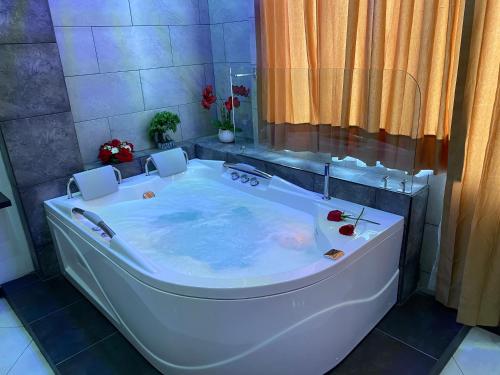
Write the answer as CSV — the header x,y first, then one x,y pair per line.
x,y
208,91
241,90
229,103
208,97
205,104
347,230
104,155
124,155
335,215
115,143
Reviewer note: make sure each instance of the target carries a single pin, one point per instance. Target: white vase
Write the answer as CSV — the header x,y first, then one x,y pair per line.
x,y
226,136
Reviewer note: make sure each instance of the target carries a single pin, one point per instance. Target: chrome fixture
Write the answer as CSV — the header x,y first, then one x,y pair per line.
x,y
326,187
96,220
385,180
146,166
248,169
73,181
254,181
403,185
244,178
243,149
235,175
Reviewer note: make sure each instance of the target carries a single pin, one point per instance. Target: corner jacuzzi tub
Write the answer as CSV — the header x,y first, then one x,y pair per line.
x,y
216,276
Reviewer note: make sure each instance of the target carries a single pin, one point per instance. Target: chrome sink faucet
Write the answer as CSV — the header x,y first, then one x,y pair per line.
x,y
326,187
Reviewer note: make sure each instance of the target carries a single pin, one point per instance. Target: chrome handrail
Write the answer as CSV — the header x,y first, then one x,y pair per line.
x,y
68,187
94,219
73,181
146,166
247,169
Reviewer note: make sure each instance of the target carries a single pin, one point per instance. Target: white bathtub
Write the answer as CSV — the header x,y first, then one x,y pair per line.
x,y
285,312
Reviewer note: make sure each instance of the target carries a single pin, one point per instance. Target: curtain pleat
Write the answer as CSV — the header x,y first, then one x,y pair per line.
x,y
469,265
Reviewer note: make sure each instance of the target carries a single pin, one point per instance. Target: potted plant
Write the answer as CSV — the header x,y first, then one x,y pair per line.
x,y
162,127
224,122
116,151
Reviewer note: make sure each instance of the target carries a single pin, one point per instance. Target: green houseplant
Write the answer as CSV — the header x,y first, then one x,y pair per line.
x,y
162,127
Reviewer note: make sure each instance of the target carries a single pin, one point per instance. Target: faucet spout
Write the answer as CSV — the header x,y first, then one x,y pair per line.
x,y
326,185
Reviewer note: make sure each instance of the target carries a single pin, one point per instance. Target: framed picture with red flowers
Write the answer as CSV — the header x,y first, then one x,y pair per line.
x,y
116,151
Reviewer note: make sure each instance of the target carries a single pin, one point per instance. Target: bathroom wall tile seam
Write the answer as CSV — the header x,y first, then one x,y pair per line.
x,y
96,55
34,116
142,91
24,43
146,69
122,114
119,26
130,13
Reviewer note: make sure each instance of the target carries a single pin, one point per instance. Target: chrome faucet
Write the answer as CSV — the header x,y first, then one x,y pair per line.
x,y
385,180
326,187
403,185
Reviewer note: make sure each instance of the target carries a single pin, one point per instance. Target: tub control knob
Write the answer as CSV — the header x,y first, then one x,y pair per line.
x,y
254,181
235,176
244,178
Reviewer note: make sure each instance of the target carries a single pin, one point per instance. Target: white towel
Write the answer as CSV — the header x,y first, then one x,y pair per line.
x,y
96,183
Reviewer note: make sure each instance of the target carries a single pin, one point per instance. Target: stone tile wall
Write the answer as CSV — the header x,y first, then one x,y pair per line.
x,y
37,133
125,60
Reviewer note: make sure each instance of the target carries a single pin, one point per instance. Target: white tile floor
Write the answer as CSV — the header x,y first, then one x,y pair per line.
x,y
19,354
478,354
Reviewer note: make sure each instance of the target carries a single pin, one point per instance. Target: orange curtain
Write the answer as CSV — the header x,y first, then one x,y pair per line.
x,y
372,79
469,265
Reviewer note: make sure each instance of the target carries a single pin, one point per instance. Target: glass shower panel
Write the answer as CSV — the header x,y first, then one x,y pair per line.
x,y
367,121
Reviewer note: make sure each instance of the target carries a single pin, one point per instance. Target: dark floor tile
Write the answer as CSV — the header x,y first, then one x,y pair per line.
x,y
70,330
40,298
112,356
423,323
379,354
17,284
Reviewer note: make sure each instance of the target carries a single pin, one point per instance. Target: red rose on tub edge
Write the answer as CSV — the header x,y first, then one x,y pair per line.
x,y
335,215
347,230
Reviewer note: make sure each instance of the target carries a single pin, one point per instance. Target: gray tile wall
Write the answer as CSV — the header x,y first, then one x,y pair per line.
x,y
430,244
125,60
37,133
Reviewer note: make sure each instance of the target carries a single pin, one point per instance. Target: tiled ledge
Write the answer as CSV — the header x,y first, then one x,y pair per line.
x,y
308,162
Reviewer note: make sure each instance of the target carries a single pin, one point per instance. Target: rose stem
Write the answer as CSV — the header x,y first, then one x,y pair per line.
x,y
359,217
368,221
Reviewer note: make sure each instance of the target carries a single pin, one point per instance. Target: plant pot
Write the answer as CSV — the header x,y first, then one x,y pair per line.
x,y
226,136
165,145
163,142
